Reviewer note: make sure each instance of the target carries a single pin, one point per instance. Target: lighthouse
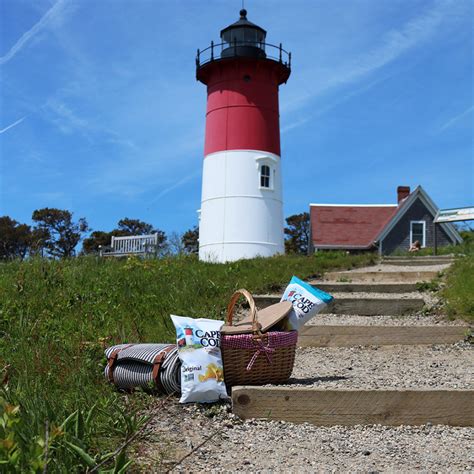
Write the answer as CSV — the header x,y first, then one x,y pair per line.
x,y
241,213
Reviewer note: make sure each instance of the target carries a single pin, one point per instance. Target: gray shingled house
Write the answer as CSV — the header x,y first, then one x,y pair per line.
x,y
386,227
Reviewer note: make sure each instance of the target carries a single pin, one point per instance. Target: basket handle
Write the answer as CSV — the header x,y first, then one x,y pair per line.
x,y
256,326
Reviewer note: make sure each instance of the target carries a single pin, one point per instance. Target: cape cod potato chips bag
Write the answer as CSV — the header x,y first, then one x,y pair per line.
x,y
202,373
307,302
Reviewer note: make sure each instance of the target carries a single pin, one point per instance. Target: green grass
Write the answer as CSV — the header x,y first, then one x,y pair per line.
x,y
459,290
56,318
445,250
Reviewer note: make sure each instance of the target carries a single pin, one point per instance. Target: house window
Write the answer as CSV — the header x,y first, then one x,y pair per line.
x,y
418,232
265,176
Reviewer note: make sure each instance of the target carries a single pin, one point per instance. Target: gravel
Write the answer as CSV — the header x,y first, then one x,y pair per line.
x,y
233,445
273,446
380,296
437,366
409,320
384,267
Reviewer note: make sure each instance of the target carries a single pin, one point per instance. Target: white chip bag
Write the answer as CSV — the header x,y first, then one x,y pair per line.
x,y
202,372
307,302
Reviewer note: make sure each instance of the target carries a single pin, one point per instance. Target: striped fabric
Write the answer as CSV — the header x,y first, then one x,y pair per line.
x,y
134,364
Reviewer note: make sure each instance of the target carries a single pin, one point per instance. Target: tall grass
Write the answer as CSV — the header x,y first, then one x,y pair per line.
x,y
458,249
56,318
459,290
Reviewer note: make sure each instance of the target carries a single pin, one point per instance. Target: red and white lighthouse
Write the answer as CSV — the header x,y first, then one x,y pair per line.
x,y
241,212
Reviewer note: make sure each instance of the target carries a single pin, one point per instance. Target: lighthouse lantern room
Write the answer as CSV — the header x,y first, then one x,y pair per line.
x,y
241,212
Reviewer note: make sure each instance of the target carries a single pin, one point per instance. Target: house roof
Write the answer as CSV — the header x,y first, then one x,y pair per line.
x,y
358,226
419,193
348,225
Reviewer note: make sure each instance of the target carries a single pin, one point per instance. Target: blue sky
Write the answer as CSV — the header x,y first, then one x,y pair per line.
x,y
101,113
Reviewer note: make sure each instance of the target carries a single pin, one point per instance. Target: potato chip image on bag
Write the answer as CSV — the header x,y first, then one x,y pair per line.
x,y
307,301
202,372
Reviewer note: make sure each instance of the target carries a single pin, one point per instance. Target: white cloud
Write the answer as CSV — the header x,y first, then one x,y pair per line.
x,y
64,117
52,14
176,185
14,124
454,119
295,124
391,46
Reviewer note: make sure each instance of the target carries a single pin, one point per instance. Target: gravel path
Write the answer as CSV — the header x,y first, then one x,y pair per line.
x,y
385,267
259,446
381,296
409,320
437,366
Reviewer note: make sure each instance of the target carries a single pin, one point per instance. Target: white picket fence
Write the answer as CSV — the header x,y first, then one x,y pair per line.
x,y
131,245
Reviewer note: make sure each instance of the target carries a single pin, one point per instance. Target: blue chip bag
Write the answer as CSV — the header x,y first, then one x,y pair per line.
x,y
307,302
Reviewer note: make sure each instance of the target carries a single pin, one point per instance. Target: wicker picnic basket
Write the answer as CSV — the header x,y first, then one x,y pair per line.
x,y
257,358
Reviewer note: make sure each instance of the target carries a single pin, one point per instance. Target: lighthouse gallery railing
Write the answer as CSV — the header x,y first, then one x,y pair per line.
x,y
214,52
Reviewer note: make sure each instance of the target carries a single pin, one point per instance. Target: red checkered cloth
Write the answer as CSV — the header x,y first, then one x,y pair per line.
x,y
247,341
275,339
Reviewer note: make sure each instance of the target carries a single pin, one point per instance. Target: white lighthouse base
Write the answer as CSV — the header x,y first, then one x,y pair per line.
x,y
241,217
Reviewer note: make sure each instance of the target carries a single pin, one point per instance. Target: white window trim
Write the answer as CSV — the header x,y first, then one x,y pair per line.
x,y
269,176
269,161
423,244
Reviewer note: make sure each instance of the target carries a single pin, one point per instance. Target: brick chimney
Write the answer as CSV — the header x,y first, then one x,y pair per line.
x,y
402,193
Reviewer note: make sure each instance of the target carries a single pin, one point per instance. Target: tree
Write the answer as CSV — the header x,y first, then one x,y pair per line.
x,y
124,228
190,240
39,237
62,233
95,240
15,239
298,232
134,227
174,244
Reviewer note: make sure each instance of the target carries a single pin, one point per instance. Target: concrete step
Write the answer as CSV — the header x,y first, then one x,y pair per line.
x,y
342,287
381,276
361,306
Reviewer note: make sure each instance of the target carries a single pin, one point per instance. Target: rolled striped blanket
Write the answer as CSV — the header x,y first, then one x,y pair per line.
x,y
141,365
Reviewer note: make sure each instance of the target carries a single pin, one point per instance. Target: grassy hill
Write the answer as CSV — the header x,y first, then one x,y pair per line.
x,y
56,318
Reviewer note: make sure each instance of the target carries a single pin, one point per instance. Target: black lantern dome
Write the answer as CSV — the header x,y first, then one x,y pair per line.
x,y
243,38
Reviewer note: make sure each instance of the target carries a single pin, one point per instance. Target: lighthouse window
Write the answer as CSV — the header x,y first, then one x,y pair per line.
x,y
265,176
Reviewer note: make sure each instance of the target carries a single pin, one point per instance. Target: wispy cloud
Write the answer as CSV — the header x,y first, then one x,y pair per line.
x,y
133,173
454,119
61,115
14,124
391,46
53,13
296,123
397,42
343,98
176,185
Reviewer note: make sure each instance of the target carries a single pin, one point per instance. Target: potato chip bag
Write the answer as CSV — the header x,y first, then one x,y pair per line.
x,y
307,302
202,372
